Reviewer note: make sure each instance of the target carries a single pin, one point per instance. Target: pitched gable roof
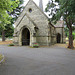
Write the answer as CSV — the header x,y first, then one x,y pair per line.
x,y
59,24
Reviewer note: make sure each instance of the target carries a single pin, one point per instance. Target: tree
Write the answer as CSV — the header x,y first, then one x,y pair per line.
x,y
67,31
67,11
15,13
6,5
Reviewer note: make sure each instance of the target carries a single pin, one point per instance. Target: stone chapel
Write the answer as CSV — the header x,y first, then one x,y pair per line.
x,y
32,26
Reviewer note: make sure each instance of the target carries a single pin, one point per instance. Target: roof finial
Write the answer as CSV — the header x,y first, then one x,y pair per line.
x,y
41,4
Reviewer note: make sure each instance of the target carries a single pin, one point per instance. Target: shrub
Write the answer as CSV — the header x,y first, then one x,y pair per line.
x,y
11,44
35,45
1,57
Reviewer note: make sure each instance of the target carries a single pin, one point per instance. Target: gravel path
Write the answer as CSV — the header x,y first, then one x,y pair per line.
x,y
37,61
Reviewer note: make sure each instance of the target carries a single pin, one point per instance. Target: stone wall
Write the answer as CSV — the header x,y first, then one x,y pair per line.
x,y
45,35
61,31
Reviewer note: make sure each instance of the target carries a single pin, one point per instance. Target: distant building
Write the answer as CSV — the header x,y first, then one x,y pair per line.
x,y
33,26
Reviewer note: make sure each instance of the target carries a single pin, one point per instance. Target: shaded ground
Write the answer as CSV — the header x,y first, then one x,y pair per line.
x,y
37,61
61,45
9,41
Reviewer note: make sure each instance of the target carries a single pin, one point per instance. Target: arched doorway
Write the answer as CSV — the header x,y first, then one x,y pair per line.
x,y
58,38
25,37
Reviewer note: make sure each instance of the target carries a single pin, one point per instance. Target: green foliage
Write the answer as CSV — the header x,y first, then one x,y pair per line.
x,y
73,35
1,57
9,8
35,45
69,4
6,5
11,44
67,11
67,32
51,8
9,30
16,12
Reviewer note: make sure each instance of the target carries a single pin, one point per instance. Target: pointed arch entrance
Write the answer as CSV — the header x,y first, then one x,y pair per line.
x,y
58,38
25,37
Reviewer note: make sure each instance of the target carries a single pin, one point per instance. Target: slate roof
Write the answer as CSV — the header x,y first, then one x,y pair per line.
x,y
59,24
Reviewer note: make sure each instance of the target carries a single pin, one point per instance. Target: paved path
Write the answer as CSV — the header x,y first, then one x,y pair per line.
x,y
40,61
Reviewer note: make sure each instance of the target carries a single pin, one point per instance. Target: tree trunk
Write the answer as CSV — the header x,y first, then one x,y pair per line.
x,y
70,39
3,35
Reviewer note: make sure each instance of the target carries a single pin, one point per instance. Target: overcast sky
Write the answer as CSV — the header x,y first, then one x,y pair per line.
x,y
37,2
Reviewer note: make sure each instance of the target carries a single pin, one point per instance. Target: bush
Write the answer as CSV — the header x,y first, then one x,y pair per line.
x,y
11,44
35,45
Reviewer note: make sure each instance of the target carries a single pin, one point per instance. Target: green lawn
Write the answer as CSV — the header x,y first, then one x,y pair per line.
x,y
1,57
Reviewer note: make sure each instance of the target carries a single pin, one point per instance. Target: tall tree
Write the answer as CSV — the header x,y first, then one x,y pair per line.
x,y
6,5
14,14
67,11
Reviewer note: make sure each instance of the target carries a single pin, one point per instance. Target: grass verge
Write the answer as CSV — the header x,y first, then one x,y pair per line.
x,y
11,44
1,57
